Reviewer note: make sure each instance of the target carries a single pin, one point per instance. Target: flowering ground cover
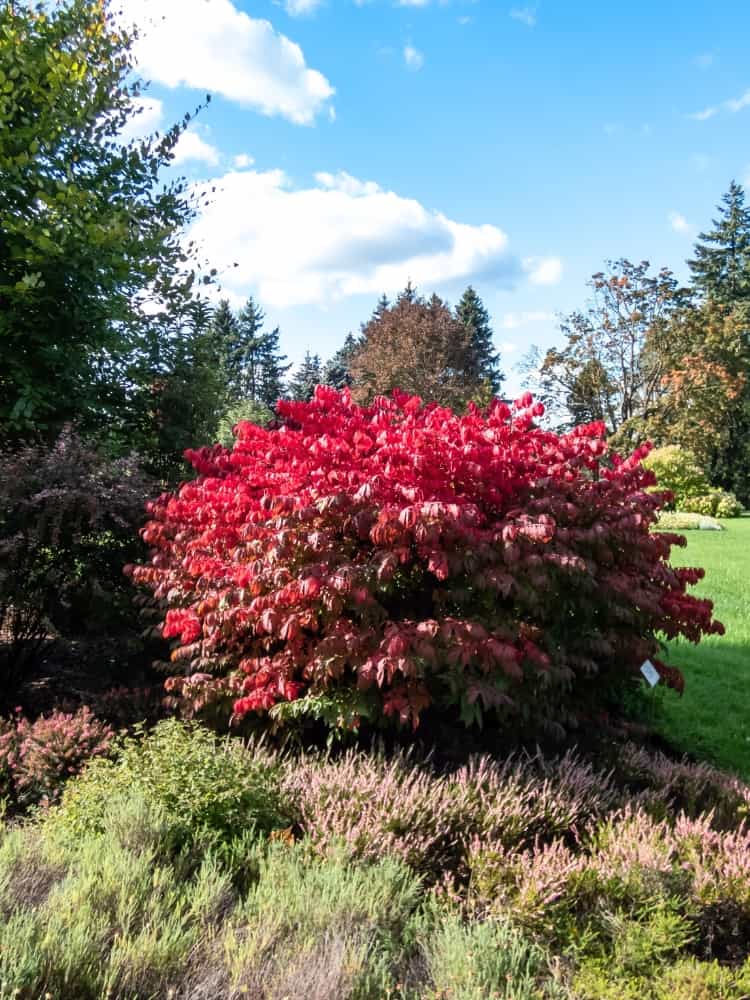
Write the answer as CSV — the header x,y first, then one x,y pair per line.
x,y
188,868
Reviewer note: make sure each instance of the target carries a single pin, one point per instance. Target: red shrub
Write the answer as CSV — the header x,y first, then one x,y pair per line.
x,y
409,556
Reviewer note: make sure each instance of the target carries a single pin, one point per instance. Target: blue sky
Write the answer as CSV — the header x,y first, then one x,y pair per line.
x,y
355,145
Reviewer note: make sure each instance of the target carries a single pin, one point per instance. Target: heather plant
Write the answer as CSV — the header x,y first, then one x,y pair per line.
x,y
38,758
476,565
372,807
666,786
67,525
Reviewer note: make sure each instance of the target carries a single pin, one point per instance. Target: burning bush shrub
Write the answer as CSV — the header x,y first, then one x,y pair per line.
x,y
399,556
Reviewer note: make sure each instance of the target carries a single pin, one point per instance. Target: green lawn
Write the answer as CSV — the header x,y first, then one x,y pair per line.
x,y
712,719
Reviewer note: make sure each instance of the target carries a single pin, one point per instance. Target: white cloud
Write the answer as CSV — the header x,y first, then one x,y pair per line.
x,y
526,15
543,270
514,321
190,146
733,105
507,347
413,58
702,116
679,223
738,103
338,238
242,161
150,112
216,47
298,8
413,3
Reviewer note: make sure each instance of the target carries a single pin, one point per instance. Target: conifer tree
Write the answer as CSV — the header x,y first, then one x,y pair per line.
x,y
337,371
302,386
472,313
245,352
271,370
721,265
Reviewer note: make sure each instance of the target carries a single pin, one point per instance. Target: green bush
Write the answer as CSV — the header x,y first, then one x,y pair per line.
x,y
479,960
209,792
678,471
715,503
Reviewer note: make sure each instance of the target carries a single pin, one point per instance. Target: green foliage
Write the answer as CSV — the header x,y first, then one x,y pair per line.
x,y
255,413
678,471
207,791
715,503
87,236
255,365
472,313
307,376
477,961
337,371
721,266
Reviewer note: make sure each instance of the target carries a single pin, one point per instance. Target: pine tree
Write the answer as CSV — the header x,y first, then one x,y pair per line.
x,y
336,371
472,313
721,266
302,386
271,370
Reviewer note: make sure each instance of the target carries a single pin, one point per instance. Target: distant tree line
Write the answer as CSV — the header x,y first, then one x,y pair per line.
x,y
653,359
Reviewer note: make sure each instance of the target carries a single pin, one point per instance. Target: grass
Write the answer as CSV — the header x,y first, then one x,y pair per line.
x,y
712,719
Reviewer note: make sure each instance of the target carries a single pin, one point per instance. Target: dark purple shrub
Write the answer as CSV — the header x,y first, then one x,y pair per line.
x,y
68,524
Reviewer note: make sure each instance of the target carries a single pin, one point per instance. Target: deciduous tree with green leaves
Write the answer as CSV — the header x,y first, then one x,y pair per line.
x,y
88,235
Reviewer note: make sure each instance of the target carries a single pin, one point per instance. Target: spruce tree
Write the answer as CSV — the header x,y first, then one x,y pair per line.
x,y
244,353
409,295
226,332
336,371
486,361
302,386
721,266
382,306
271,370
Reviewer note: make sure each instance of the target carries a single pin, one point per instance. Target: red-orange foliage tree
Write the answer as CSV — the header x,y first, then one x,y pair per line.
x,y
402,556
418,346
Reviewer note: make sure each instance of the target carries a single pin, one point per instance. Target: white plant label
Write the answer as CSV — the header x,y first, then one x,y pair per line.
x,y
650,672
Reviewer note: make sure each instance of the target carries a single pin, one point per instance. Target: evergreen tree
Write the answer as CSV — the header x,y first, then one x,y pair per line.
x,y
271,370
721,266
306,378
337,371
226,332
245,352
409,295
472,313
382,306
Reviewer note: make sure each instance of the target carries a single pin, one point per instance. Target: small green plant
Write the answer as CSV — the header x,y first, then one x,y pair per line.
x,y
209,791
